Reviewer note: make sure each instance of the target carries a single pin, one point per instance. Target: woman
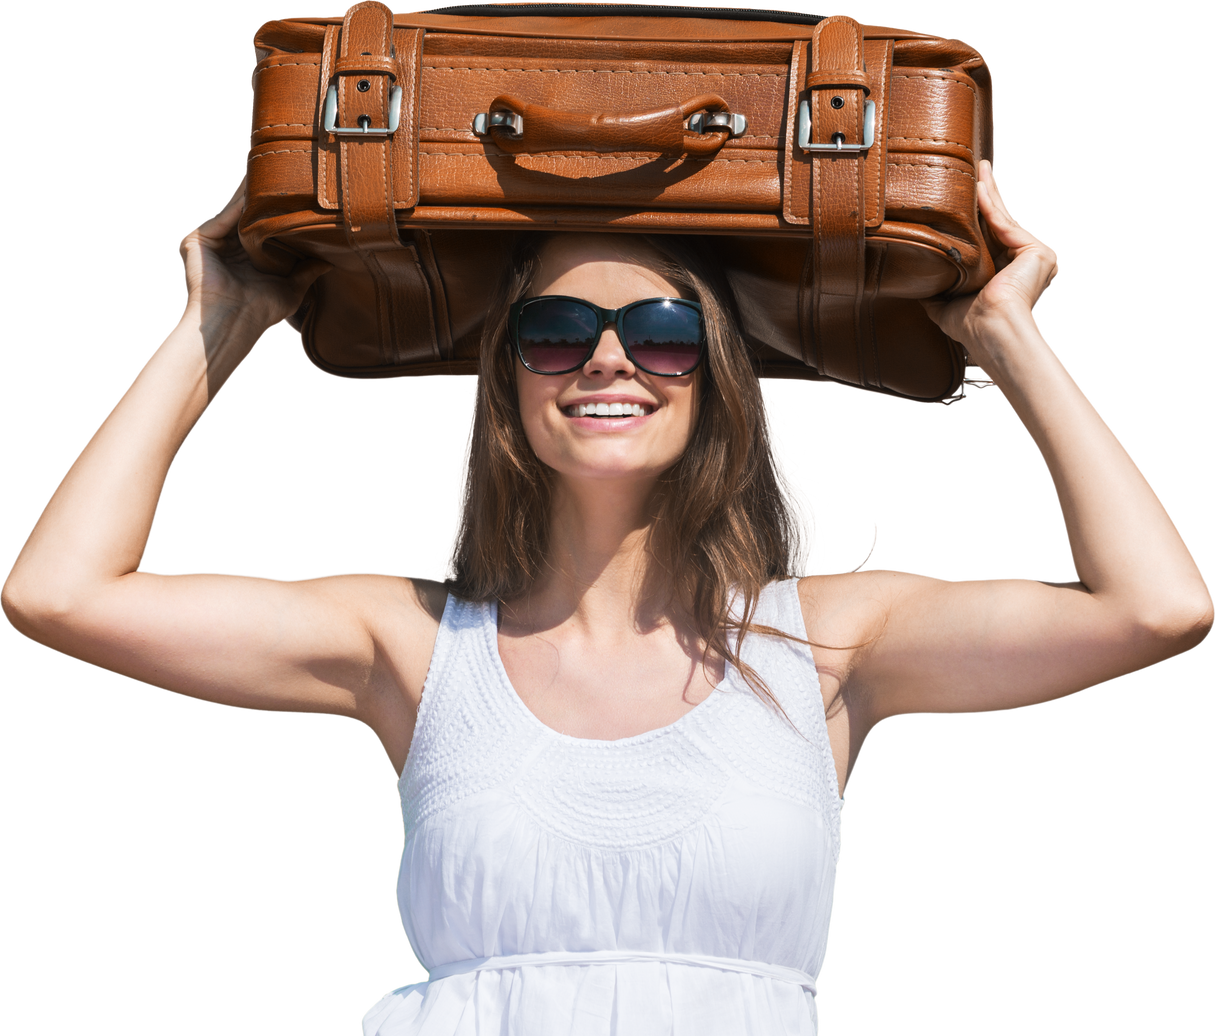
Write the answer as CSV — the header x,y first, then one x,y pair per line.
x,y
622,783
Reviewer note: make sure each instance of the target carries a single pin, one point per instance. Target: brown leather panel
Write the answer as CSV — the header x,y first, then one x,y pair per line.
x,y
508,51
347,309
327,153
929,196
436,292
914,269
454,90
284,89
879,56
915,357
934,52
934,112
286,165
458,174
407,43
764,274
291,37
796,180
472,261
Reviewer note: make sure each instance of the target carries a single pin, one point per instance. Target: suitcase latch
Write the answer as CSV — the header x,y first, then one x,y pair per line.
x,y
509,121
364,128
838,143
711,122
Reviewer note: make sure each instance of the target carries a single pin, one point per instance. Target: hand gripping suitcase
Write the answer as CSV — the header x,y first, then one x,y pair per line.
x,y
832,167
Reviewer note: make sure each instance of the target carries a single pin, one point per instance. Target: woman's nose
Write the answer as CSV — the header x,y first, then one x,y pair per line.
x,y
609,356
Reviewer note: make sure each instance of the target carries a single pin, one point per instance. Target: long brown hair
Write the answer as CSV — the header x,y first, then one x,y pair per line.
x,y
722,529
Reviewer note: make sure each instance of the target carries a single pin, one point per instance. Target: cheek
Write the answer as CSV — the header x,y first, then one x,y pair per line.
x,y
535,393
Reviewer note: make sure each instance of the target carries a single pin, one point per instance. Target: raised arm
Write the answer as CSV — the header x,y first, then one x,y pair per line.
x,y
933,646
314,645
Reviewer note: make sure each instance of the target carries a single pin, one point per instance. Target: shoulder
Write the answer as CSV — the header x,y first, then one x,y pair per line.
x,y
853,602
398,606
401,616
848,611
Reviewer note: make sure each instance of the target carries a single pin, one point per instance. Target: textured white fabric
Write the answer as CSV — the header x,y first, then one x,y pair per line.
x,y
678,882
695,960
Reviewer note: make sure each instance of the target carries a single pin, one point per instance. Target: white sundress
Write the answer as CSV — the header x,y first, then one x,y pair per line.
x,y
676,882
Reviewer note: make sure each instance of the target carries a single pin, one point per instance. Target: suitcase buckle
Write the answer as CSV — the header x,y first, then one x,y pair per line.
x,y
364,128
838,143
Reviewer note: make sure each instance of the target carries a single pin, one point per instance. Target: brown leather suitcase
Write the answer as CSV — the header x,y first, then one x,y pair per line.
x,y
832,166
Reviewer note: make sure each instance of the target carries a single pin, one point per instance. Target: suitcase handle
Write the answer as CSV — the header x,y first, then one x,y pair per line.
x,y
518,127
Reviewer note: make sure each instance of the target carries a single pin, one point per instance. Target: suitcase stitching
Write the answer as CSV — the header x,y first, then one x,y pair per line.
x,y
937,140
589,158
619,71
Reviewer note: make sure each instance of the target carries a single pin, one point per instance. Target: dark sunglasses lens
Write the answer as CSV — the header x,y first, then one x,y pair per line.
x,y
663,336
556,334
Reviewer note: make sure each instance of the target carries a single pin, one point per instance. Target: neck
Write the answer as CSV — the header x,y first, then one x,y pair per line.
x,y
597,559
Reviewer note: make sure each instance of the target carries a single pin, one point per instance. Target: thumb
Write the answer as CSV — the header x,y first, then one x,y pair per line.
x,y
935,308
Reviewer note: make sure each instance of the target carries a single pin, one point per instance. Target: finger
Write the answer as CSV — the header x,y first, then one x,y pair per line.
x,y
224,222
1008,231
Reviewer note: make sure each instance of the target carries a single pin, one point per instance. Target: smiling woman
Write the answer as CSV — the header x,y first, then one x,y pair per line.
x,y
697,457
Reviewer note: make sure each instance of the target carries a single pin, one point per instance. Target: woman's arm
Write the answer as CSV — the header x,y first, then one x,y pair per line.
x,y
934,646
313,645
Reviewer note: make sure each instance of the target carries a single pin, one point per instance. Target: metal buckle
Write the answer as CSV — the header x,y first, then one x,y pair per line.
x,y
803,132
509,120
735,125
394,116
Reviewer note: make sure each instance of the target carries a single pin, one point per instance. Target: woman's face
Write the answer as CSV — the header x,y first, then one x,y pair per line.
x,y
605,270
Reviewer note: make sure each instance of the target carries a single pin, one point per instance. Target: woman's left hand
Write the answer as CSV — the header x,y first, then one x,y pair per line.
x,y
1023,272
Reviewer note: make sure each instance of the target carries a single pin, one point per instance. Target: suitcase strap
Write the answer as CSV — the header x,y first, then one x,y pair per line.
x,y
368,96
369,79
835,323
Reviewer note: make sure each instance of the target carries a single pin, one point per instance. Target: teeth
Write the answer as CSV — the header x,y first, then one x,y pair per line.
x,y
608,410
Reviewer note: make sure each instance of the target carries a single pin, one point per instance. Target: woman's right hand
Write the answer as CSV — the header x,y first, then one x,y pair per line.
x,y
223,283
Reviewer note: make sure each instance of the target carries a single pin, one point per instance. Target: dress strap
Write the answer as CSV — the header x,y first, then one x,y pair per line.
x,y
589,957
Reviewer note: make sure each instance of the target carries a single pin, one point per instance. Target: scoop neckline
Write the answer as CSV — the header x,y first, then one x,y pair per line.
x,y
594,742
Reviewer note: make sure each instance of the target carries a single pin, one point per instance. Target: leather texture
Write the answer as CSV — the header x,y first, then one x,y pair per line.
x,y
828,250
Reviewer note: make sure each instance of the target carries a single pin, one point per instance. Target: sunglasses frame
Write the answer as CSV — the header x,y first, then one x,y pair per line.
x,y
603,317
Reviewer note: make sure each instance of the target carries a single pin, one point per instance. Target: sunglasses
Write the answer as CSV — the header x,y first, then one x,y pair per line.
x,y
557,334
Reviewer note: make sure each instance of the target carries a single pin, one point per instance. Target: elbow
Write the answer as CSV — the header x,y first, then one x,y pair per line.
x,y
17,609
1179,624
34,611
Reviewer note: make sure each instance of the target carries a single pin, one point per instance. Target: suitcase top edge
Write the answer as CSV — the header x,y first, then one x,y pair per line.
x,y
601,21
604,10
